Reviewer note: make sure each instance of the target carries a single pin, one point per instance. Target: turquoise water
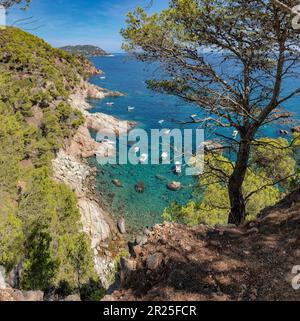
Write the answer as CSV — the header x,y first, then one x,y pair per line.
x,y
128,76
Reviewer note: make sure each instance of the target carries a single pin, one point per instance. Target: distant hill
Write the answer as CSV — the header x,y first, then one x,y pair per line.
x,y
85,50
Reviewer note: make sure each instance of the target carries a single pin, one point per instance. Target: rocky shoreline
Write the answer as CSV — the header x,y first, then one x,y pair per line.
x,y
71,168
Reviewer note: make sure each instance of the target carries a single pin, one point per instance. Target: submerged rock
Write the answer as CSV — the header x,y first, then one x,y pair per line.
x,y
122,225
160,177
174,186
140,187
117,183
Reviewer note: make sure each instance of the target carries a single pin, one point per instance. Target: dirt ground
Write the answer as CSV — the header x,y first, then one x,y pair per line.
x,y
253,262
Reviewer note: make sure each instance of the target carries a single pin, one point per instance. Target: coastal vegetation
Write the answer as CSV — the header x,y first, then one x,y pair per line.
x,y
39,218
231,58
85,50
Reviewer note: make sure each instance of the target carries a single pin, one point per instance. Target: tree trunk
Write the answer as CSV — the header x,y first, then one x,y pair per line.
x,y
237,201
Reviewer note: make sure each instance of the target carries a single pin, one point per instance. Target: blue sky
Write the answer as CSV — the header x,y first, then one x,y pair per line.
x,y
63,22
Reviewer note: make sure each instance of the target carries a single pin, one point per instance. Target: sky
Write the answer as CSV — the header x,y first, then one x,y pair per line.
x,y
73,22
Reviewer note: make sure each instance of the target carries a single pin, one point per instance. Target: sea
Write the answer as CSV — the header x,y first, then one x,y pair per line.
x,y
125,74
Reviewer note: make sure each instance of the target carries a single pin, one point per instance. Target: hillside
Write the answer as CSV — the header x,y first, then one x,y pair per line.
x,y
254,262
42,246
85,50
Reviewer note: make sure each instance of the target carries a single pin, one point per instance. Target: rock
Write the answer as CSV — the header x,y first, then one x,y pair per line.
x,y
141,240
296,129
2,278
108,125
72,298
127,267
174,186
146,231
137,250
37,118
127,264
121,225
107,253
160,177
117,183
154,261
83,145
17,295
33,296
14,276
140,187
213,146
93,221
253,230
6,296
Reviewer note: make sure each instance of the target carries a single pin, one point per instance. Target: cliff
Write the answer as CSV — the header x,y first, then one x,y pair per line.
x,y
50,212
253,262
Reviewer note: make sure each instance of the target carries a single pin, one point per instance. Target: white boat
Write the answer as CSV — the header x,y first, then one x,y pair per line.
x,y
235,133
103,77
161,122
167,132
194,116
178,168
136,149
164,156
144,158
131,108
110,104
107,141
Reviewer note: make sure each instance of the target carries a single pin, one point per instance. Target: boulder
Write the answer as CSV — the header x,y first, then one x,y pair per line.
x,y
137,250
174,186
33,296
160,177
72,298
213,146
2,278
127,264
122,225
296,129
117,183
141,240
154,261
140,187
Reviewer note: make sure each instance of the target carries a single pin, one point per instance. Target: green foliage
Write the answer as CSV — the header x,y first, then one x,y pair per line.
x,y
50,209
39,267
213,206
39,219
11,238
92,291
276,158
